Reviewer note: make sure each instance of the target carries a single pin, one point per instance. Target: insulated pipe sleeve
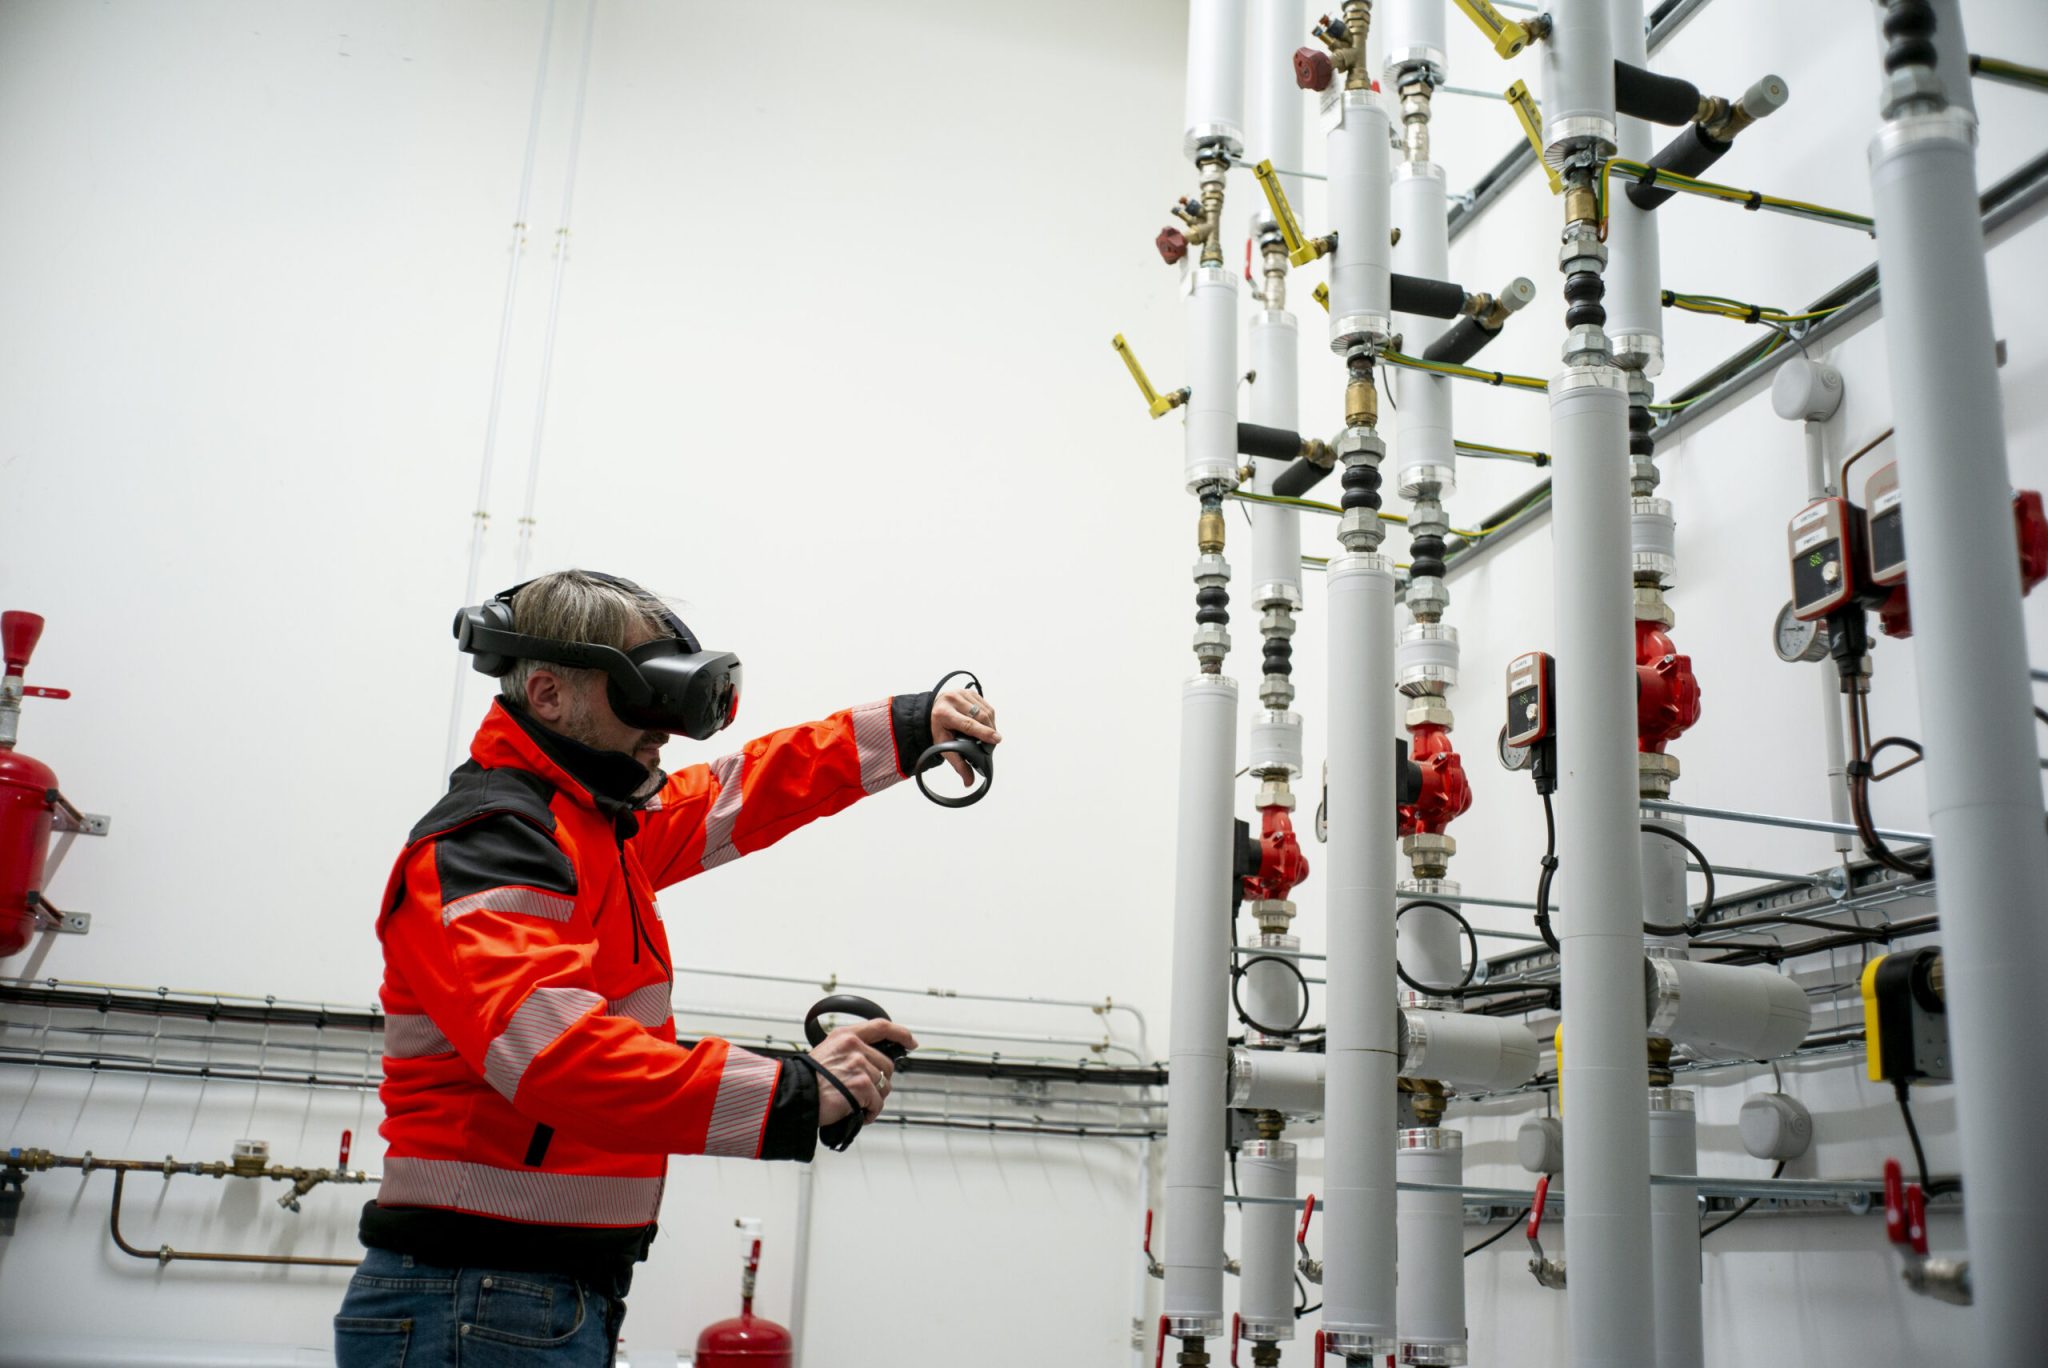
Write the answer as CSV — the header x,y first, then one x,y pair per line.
x,y
1664,898
1299,478
1745,1011
1422,443
1640,93
1201,1008
1277,1080
1578,73
1423,295
1634,300
1256,439
1689,152
1675,1232
1265,1286
1607,1165
1414,35
1358,153
1431,1298
1276,103
1362,1048
1431,946
1459,343
1211,449
1467,1049
1215,103
1271,994
1983,786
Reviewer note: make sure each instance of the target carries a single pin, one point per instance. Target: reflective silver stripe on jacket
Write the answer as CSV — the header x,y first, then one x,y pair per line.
x,y
649,1006
413,1036
539,1023
725,810
875,740
519,1194
741,1113
527,902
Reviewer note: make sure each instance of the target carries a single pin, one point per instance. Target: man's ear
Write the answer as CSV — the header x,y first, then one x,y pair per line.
x,y
546,699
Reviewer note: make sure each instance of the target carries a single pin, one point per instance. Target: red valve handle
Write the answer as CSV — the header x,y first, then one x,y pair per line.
x,y
1308,1214
346,1137
1321,1352
1236,1325
41,691
1894,1202
1148,1230
1159,1346
1536,1205
1916,1218
1247,261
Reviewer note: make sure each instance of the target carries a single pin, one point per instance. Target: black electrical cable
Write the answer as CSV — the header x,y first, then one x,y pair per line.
x,y
1301,1306
1691,925
1858,768
1732,1217
1502,1233
1471,938
1543,882
1927,1183
1243,967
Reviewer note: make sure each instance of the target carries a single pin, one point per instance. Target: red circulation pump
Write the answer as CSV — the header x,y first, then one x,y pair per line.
x,y
1667,691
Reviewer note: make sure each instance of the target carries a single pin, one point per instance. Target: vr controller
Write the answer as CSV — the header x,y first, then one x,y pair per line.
x,y
841,1133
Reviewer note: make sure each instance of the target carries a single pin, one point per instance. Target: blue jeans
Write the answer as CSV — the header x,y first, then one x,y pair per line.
x,y
403,1314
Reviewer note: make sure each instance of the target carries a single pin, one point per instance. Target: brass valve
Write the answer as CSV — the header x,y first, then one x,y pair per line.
x,y
1159,404
1209,531
1361,402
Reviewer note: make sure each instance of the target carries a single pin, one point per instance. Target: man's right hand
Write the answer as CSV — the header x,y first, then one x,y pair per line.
x,y
850,1054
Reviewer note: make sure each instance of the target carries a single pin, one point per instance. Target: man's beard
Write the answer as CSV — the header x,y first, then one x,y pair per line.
x,y
579,723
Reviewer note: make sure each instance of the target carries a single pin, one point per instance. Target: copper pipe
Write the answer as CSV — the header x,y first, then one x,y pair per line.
x,y
165,1254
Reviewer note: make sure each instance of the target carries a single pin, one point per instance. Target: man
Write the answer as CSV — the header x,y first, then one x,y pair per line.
x,y
533,1086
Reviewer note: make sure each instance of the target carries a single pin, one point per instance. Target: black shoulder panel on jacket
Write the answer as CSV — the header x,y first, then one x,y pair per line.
x,y
498,849
474,791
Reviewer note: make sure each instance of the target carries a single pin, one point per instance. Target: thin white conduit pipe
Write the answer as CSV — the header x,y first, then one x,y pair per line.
x,y
547,353
480,517
800,1258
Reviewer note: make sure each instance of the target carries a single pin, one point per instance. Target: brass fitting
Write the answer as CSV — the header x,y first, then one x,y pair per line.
x,y
1269,1124
1212,212
1415,120
1317,452
1580,206
1660,1062
1209,532
1361,402
1425,1099
1346,43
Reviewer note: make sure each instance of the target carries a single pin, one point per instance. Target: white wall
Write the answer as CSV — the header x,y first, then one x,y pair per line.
x,y
832,363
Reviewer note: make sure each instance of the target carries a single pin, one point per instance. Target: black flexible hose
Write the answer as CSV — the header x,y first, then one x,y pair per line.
x,y
1644,94
1691,925
1471,938
1237,974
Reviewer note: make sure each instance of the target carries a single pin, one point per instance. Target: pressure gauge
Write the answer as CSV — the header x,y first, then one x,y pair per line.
x,y
1797,639
1512,756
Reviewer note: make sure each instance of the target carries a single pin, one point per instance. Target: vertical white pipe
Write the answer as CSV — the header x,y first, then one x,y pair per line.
x,y
1635,312
1210,452
480,516
1358,158
1607,1220
1422,438
1976,707
1277,105
1363,1050
547,346
1663,873
1215,87
1141,1276
1674,1232
1578,72
1820,482
1414,36
800,1258
1276,402
1265,1286
1201,992
1431,947
1431,1303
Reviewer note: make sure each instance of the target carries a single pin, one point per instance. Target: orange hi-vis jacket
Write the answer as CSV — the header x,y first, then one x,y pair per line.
x,y
533,1086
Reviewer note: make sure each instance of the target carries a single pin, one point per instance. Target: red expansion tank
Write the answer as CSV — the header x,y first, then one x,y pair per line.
x,y
25,788
746,1341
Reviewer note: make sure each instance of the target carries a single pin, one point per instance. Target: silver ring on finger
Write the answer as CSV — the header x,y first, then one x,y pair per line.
x,y
974,712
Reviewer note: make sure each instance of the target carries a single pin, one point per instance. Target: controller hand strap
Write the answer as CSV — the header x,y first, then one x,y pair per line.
x,y
840,1134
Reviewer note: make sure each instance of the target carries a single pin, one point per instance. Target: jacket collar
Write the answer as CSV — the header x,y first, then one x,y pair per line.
x,y
610,781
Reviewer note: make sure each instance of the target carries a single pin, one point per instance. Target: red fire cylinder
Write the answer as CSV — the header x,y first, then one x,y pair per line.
x,y
746,1340
25,787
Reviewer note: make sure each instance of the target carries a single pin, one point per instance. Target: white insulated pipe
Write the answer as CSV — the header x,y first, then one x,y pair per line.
x,y
1607,1167
1747,1011
1201,1008
1431,947
1270,993
1578,74
1664,897
1820,481
1423,415
1430,1304
1265,1283
1362,1051
1674,1232
1276,402
1289,1081
1414,36
1976,706
1635,311
1467,1049
1357,160
1276,111
1210,452
1215,89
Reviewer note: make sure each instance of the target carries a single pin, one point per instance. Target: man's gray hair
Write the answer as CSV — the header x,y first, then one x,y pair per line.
x,y
576,605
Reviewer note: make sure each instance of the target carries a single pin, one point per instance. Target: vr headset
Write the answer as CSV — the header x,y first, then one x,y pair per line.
x,y
670,684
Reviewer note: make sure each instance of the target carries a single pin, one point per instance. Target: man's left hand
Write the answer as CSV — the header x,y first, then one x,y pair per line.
x,y
962,712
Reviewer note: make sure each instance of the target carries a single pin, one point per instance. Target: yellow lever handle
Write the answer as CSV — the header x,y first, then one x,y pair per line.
x,y
1300,250
1159,404
1508,36
1524,104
